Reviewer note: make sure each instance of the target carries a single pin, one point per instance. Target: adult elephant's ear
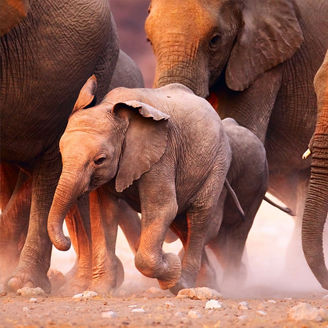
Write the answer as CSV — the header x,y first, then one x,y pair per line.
x,y
270,34
145,140
87,94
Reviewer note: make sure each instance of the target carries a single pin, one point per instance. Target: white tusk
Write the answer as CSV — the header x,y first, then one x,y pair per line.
x,y
306,154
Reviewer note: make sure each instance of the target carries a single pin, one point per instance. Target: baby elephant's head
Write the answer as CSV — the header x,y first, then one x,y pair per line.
x,y
118,139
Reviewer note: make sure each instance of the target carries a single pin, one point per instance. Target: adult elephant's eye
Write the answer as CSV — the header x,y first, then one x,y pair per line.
x,y
214,41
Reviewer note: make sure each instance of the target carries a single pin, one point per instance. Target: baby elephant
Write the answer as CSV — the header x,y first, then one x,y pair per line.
x,y
162,150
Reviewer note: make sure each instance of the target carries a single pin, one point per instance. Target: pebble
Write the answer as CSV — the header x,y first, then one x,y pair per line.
x,y
25,309
132,306
213,305
199,293
260,312
86,294
27,291
242,317
272,301
194,314
178,314
169,304
33,300
243,306
305,311
109,314
138,311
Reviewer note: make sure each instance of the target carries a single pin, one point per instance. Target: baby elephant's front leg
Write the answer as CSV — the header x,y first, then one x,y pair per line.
x,y
150,259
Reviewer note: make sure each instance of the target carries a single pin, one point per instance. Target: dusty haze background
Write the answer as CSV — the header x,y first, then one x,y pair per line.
x,y
268,240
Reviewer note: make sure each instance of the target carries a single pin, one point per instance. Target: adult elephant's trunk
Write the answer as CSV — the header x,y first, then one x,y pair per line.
x,y
66,194
315,212
178,62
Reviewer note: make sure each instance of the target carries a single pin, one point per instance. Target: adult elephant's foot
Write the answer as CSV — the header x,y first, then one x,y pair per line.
x,y
78,279
107,281
26,277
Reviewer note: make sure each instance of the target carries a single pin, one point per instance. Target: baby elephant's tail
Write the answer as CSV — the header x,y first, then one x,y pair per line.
x,y
234,197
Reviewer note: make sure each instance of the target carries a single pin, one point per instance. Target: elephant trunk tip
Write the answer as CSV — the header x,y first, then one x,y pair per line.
x,y
59,240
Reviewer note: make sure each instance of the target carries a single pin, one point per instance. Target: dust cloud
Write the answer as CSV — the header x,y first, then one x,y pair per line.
x,y
269,273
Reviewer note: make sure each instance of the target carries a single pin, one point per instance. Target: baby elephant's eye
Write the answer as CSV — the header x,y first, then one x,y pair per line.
x,y
99,160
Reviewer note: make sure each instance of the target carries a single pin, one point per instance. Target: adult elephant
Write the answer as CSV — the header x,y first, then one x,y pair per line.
x,y
11,13
316,205
259,57
44,61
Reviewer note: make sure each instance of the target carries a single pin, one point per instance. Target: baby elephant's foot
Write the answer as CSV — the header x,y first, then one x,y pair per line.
x,y
25,277
166,268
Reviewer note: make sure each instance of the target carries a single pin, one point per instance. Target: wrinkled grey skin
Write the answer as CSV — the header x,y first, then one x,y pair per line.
x,y
45,60
162,150
259,57
248,176
316,205
11,13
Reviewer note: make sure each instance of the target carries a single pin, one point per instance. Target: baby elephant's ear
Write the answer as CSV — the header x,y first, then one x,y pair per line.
x,y
145,141
87,94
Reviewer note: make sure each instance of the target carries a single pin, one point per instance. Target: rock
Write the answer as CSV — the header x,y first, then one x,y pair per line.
x,y
169,304
108,314
132,306
199,293
27,291
33,300
178,314
242,317
305,311
3,293
213,305
26,309
260,312
194,314
272,301
138,310
85,295
243,306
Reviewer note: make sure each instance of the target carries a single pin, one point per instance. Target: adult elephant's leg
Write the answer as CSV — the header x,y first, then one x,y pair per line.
x,y
78,226
107,269
34,260
8,179
13,224
130,224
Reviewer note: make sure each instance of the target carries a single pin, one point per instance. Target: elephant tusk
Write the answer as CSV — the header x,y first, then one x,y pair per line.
x,y
306,154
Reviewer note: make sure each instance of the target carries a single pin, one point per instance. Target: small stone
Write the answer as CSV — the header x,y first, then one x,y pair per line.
x,y
288,298
178,314
260,312
213,305
3,294
27,291
33,300
132,306
108,314
305,311
154,290
85,295
243,306
138,310
242,317
194,314
199,293
25,309
169,304
272,301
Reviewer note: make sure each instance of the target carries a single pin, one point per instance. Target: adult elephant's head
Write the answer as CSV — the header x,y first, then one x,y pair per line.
x,y
316,205
195,41
11,13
